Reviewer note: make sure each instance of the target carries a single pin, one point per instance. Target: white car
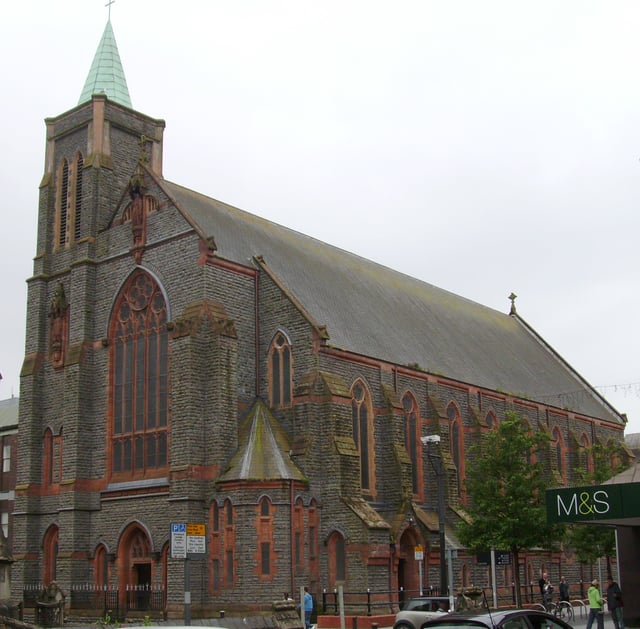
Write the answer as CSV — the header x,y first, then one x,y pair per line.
x,y
418,610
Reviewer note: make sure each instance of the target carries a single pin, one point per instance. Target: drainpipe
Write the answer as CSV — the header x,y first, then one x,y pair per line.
x,y
256,298
291,540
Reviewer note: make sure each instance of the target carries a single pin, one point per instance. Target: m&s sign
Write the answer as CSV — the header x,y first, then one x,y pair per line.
x,y
593,504
584,503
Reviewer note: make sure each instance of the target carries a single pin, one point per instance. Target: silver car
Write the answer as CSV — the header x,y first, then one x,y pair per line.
x,y
418,610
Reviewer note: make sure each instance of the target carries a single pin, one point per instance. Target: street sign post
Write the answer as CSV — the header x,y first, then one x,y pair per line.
x,y
418,554
179,541
188,540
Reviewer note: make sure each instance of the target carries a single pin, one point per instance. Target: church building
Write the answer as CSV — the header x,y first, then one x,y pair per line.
x,y
190,366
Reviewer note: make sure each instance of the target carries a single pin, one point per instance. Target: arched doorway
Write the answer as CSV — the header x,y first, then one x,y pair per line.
x,y
408,566
135,569
50,554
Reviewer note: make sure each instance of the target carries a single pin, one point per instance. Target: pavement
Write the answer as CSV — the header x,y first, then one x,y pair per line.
x,y
579,622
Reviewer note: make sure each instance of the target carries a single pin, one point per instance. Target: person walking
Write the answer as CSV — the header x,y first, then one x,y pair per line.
x,y
564,589
542,583
308,607
596,611
548,596
614,603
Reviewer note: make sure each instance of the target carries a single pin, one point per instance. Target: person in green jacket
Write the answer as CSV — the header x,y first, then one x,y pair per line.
x,y
596,609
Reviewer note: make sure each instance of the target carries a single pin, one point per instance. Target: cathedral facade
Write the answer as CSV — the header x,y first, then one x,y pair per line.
x,y
191,363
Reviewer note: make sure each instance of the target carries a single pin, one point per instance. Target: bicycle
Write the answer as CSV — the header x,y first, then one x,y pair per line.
x,y
548,604
564,611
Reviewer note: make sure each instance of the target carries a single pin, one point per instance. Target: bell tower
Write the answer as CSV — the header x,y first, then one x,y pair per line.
x,y
92,151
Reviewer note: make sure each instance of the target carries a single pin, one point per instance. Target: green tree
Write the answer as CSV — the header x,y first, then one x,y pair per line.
x,y
506,480
592,541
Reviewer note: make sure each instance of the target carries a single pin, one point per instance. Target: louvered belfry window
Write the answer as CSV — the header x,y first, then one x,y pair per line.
x,y
140,379
77,219
64,204
68,228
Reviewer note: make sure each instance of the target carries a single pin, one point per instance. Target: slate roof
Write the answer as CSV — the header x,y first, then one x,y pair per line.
x,y
263,450
9,413
632,441
106,74
374,311
630,475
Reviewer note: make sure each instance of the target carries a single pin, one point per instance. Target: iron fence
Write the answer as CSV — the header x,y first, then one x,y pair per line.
x,y
373,601
106,599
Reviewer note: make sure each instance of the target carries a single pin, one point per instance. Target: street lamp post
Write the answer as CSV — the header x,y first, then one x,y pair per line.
x,y
438,468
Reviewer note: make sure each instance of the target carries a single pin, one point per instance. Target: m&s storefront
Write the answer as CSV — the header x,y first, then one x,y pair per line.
x,y
614,503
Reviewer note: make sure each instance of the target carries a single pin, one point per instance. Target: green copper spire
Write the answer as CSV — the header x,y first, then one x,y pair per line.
x,y
106,75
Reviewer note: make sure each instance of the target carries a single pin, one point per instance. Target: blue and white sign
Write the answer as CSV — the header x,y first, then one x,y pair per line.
x,y
178,540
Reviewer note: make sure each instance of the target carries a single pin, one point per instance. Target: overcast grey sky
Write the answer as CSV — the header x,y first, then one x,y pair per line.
x,y
485,147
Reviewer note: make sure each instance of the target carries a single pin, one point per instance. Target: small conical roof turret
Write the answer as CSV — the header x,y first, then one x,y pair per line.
x,y
106,75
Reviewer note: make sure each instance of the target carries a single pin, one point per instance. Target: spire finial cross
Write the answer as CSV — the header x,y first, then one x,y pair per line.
x,y
513,298
108,5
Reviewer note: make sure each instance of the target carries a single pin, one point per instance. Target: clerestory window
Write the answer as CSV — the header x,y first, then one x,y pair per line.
x,y
280,372
362,420
411,435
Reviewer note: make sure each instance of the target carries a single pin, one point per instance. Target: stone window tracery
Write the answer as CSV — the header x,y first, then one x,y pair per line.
x,y
362,421
412,436
280,372
139,391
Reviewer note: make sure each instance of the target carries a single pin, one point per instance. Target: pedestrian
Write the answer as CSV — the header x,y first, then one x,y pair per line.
x,y
564,589
596,611
307,604
542,583
548,595
614,603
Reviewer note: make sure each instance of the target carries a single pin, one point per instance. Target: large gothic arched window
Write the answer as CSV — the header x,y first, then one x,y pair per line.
x,y
139,376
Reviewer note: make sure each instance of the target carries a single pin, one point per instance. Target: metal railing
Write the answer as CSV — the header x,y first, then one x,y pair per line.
x,y
384,601
106,599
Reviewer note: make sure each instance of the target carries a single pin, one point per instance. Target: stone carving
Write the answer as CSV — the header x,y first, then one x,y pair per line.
x,y
58,325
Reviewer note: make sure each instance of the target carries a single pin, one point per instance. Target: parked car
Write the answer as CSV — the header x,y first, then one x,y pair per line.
x,y
503,619
416,610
